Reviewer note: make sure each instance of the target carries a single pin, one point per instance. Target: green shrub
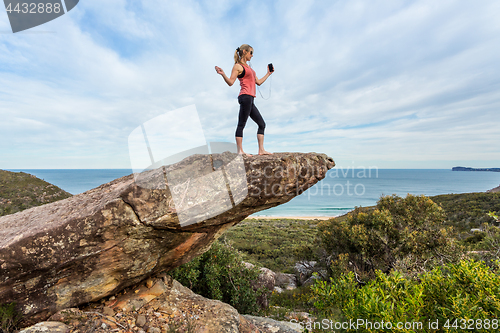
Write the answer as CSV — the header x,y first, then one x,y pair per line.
x,y
487,248
468,210
220,274
405,233
466,290
9,318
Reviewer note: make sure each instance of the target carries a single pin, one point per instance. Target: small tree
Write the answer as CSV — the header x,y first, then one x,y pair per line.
x,y
220,274
400,232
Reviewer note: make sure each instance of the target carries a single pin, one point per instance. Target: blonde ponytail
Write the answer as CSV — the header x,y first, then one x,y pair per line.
x,y
239,52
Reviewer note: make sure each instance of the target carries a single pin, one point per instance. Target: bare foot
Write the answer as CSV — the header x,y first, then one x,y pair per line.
x,y
243,153
263,152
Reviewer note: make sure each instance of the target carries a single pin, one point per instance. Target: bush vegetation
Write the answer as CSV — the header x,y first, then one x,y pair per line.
x,y
20,191
220,274
407,233
9,318
399,262
467,291
468,210
387,257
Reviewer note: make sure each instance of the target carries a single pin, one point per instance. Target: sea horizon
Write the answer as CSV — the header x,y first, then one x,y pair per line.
x,y
339,192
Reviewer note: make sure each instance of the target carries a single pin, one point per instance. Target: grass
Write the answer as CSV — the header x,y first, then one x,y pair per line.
x,y
273,243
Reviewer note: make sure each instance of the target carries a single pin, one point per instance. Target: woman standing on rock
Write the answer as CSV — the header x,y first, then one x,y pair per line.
x,y
248,79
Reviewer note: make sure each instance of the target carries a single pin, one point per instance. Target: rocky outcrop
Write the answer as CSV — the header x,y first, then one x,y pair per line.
x,y
286,281
164,306
97,243
494,190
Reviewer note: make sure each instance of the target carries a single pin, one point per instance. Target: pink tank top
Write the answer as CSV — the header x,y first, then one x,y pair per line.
x,y
247,82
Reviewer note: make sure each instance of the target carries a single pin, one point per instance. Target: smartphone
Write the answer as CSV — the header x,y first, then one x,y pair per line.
x,y
271,68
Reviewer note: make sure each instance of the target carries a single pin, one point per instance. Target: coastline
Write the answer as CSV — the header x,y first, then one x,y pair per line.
x,y
322,218
494,190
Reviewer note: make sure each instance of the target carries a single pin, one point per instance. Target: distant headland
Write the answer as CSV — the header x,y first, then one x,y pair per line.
x,y
475,169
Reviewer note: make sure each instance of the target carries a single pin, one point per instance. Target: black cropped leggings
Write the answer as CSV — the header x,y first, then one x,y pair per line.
x,y
247,108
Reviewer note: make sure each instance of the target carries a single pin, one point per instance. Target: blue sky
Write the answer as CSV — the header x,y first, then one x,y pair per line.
x,y
392,84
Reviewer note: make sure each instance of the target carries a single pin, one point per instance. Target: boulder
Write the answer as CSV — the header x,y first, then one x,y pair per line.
x,y
265,280
176,309
286,281
272,281
304,270
311,280
94,244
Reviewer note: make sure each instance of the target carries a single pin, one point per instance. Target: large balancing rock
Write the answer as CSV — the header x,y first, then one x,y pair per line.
x,y
97,243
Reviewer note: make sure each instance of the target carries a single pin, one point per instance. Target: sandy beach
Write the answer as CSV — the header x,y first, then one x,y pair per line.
x,y
291,217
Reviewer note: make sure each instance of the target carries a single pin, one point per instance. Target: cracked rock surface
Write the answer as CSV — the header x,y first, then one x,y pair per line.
x,y
94,244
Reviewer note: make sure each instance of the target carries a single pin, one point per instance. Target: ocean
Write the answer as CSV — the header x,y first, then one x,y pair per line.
x,y
337,194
